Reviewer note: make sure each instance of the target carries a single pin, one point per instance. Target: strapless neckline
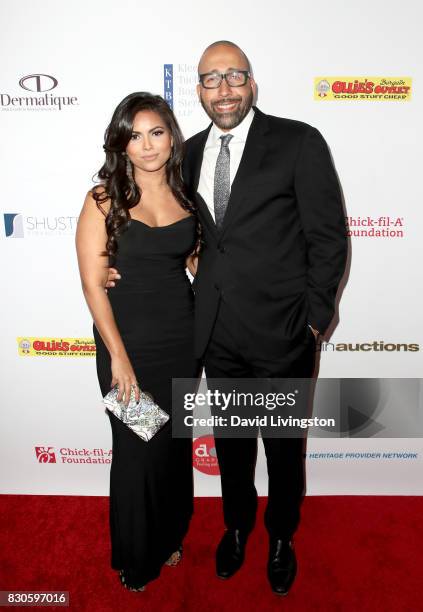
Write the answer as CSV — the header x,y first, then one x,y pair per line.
x,y
153,227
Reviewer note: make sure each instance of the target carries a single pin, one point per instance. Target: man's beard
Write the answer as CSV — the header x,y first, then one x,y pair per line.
x,y
227,121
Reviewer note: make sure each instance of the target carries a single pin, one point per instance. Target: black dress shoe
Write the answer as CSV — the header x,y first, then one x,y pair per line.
x,y
282,566
230,552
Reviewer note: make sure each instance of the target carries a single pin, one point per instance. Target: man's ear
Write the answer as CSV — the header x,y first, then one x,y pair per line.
x,y
198,92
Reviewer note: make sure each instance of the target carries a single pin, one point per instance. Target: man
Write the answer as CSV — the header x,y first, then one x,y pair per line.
x,y
274,253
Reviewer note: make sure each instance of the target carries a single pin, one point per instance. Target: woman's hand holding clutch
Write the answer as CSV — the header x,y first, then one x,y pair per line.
x,y
124,377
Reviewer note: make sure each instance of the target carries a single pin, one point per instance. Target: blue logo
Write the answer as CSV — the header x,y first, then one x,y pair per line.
x,y
168,84
13,225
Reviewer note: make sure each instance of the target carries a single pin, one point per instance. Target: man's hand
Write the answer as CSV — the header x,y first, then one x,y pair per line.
x,y
112,276
315,332
192,264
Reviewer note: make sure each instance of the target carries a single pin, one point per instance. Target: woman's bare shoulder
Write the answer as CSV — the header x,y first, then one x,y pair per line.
x,y
97,196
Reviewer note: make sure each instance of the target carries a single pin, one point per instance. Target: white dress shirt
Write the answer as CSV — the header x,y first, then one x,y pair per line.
x,y
211,151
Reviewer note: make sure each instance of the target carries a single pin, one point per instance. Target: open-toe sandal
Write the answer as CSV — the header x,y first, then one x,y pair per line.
x,y
175,557
124,582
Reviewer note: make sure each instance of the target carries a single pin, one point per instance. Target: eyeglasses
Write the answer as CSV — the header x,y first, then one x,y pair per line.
x,y
234,78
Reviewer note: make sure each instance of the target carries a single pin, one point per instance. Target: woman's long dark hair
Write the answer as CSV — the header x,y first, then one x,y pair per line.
x,y
116,178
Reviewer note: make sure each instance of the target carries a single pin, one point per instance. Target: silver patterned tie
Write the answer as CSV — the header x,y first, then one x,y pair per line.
x,y
222,180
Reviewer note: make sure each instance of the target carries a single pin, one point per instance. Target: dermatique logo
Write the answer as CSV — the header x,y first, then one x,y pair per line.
x,y
39,85
38,82
17,225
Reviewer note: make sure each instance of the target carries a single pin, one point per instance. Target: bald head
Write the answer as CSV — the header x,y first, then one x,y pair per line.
x,y
220,47
228,103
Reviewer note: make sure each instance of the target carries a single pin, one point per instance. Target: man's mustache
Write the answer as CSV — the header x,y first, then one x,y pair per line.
x,y
225,100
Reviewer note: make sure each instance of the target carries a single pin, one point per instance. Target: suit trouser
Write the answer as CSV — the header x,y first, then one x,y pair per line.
x,y
228,356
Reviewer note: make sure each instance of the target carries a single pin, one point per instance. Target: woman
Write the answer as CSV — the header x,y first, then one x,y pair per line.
x,y
139,219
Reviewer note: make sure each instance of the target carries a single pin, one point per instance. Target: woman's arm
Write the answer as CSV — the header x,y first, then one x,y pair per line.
x,y
91,240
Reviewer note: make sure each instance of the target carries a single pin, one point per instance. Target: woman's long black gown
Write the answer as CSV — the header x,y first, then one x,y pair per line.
x,y
151,483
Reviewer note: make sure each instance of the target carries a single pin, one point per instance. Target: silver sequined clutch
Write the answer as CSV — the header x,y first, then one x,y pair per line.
x,y
145,418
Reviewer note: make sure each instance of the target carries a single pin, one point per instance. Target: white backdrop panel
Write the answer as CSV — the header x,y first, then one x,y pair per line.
x,y
99,52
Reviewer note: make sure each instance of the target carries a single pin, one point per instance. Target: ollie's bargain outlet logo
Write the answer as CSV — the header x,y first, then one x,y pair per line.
x,y
38,346
363,88
47,454
204,456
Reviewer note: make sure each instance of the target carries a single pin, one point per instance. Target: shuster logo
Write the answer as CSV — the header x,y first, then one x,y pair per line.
x,y
18,225
38,82
45,454
13,225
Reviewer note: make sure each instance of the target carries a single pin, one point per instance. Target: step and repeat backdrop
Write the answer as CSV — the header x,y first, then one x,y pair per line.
x,y
352,70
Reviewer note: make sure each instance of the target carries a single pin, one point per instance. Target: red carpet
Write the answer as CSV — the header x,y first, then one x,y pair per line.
x,y
354,553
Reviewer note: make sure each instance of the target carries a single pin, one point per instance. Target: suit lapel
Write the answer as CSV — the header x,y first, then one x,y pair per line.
x,y
252,157
254,150
205,213
196,161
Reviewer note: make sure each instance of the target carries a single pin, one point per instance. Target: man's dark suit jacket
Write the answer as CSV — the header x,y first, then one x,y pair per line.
x,y
281,251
